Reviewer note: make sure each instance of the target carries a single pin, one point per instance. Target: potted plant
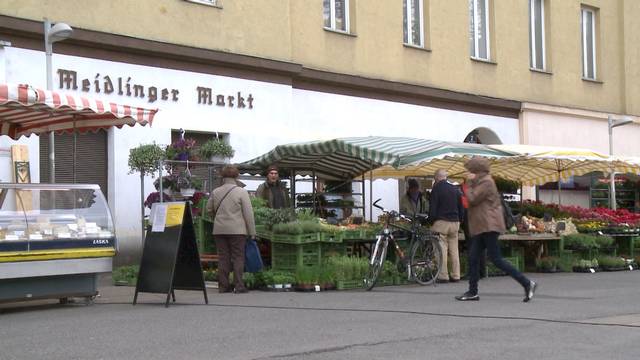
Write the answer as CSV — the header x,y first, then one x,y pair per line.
x,y
188,184
216,151
145,159
612,263
586,266
306,278
181,149
278,281
547,264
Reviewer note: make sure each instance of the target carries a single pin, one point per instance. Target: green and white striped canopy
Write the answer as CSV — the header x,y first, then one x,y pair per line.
x,y
447,155
344,157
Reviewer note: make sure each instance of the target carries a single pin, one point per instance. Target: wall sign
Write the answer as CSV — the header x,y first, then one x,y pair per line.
x,y
125,86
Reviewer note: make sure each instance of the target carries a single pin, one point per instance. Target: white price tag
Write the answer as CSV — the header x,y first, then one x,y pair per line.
x,y
159,217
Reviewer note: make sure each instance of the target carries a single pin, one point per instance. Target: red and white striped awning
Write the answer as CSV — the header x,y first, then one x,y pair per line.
x,y
25,110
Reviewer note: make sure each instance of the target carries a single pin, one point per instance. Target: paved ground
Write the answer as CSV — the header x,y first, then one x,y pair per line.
x,y
573,316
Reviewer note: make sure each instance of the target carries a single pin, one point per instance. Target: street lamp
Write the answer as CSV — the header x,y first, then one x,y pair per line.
x,y
612,124
55,33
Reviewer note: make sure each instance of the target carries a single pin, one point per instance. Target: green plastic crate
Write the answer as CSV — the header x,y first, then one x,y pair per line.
x,y
349,284
333,249
352,234
295,239
331,238
291,256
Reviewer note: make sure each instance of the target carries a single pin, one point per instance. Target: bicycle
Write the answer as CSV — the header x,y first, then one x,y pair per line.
x,y
424,263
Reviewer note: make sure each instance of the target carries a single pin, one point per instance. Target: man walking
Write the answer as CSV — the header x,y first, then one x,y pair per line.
x,y
446,212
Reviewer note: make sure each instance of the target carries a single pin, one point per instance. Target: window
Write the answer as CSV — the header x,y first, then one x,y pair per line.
x,y
413,22
336,15
588,43
479,29
215,3
536,34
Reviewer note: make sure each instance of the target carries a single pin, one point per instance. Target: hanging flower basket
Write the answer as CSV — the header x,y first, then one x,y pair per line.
x,y
219,159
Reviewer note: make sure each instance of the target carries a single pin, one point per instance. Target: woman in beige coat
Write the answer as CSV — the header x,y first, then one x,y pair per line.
x,y
486,222
233,221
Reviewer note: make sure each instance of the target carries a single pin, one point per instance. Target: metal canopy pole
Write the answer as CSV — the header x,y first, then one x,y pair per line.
x,y
364,200
370,192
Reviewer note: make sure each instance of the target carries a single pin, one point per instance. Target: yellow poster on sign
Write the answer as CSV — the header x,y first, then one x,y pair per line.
x,y
175,214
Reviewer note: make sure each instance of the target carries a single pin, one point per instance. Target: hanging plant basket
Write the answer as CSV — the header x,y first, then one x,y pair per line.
x,y
219,159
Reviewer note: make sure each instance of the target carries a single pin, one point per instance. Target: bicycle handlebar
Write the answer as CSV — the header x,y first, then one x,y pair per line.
x,y
392,213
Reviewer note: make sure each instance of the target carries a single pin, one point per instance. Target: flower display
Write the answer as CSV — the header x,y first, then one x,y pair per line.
x,y
181,149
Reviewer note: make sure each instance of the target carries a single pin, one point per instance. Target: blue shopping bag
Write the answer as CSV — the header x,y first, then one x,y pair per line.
x,y
252,258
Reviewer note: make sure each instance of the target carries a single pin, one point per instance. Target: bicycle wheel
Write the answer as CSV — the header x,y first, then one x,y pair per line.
x,y
426,262
375,264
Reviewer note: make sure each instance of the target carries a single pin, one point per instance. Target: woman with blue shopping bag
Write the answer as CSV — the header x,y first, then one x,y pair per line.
x,y
232,223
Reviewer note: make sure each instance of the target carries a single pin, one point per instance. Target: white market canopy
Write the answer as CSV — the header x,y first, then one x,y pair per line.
x,y
537,165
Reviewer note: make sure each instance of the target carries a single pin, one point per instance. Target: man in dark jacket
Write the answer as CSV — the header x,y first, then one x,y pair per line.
x,y
446,212
273,190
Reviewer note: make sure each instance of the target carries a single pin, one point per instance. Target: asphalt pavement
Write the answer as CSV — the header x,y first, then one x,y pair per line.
x,y
572,316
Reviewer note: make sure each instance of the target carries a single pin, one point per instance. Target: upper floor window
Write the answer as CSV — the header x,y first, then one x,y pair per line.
x,y
336,14
479,46
215,3
413,22
589,43
536,34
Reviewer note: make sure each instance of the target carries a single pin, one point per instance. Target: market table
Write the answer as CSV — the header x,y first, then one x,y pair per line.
x,y
625,242
551,244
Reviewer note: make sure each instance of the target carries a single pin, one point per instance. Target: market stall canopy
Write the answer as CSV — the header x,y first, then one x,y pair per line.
x,y
25,110
342,157
631,164
537,165
450,156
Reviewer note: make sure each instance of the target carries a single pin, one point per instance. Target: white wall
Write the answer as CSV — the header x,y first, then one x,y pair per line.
x,y
568,197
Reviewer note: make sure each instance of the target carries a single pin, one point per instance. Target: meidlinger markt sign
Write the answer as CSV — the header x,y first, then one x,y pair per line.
x,y
124,86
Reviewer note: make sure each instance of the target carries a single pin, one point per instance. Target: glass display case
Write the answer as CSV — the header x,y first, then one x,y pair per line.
x,y
54,240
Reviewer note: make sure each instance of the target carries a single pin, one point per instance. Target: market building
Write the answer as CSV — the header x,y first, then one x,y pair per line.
x,y
261,74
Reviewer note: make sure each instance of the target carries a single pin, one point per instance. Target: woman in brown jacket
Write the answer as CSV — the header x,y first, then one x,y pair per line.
x,y
233,221
486,222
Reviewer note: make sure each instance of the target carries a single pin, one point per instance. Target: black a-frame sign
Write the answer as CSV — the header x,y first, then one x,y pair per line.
x,y
170,259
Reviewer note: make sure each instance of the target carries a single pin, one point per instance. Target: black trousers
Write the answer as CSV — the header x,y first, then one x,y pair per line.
x,y
489,241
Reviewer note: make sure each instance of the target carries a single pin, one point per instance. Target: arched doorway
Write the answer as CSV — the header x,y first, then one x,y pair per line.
x,y
482,135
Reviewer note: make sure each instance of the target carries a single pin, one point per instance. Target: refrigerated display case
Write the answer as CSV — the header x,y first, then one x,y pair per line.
x,y
54,240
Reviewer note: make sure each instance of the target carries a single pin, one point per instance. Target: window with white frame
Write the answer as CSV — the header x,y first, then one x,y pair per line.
x,y
536,34
589,43
479,29
413,23
336,14
215,3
